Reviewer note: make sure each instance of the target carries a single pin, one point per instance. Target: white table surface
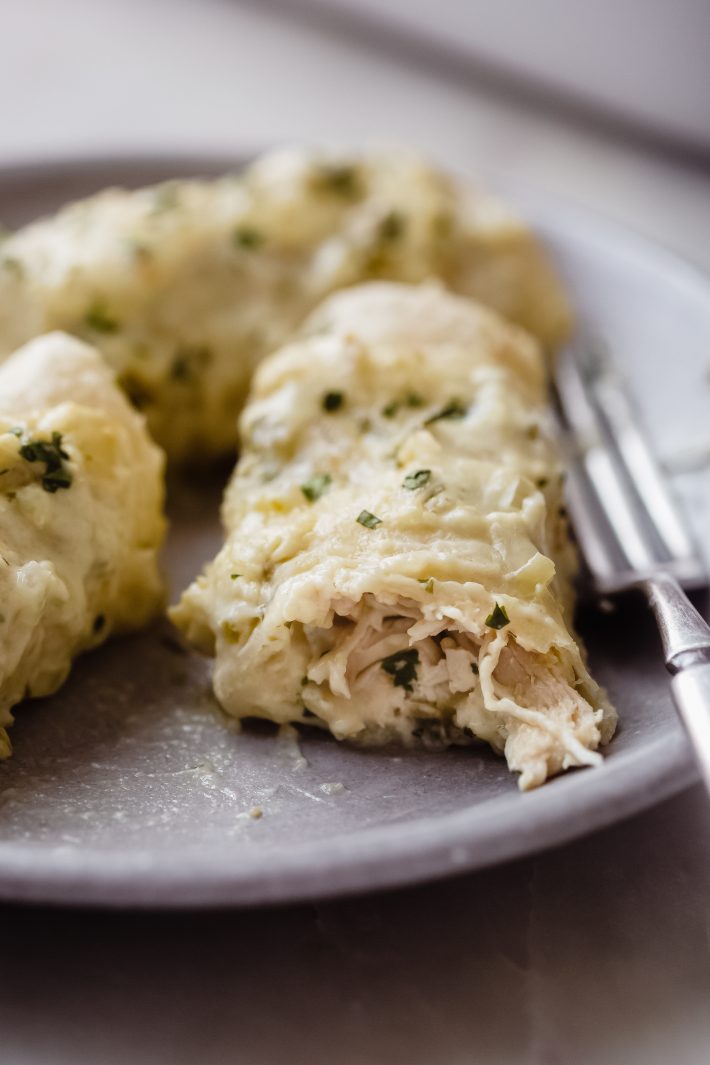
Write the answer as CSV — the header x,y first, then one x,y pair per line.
x,y
594,954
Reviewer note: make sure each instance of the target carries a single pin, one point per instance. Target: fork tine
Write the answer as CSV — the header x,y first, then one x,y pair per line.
x,y
602,473
592,534
644,474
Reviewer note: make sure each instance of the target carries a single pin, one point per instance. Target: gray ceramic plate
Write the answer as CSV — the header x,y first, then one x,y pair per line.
x,y
129,788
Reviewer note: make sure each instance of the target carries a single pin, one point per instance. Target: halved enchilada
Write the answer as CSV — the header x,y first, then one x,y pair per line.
x,y
396,563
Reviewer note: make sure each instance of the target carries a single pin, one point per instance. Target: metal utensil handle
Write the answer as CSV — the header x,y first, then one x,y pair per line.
x,y
686,645
691,692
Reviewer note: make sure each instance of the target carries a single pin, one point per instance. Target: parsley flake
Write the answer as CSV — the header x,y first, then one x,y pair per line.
x,y
428,583
13,266
416,480
402,667
412,399
100,319
315,486
247,237
234,576
52,454
370,521
189,361
454,409
498,618
139,391
391,226
343,180
332,401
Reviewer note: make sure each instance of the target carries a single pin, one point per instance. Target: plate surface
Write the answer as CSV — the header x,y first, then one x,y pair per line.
x,y
130,788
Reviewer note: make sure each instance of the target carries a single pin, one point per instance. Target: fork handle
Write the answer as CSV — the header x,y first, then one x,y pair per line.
x,y
686,646
691,693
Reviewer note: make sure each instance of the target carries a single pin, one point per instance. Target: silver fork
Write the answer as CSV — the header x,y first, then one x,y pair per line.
x,y
629,529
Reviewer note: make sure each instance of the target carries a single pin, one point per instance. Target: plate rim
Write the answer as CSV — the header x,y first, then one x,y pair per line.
x,y
421,850
429,849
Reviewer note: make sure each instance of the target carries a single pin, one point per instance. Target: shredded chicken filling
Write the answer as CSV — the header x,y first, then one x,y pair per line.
x,y
431,669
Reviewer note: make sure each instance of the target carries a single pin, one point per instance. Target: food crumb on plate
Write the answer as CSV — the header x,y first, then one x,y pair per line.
x,y
332,788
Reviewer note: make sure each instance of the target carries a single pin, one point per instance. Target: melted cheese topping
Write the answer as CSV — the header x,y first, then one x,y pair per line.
x,y
396,562
186,286
81,494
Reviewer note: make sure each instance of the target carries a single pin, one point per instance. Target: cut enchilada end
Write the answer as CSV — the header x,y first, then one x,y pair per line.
x,y
397,563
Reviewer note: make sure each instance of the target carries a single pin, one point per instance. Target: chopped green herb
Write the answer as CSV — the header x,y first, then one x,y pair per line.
x,y
315,486
180,368
247,237
391,226
416,480
234,576
402,667
138,391
100,319
332,401
370,521
52,454
430,731
13,266
498,618
189,361
454,409
338,178
428,583
56,479
412,399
